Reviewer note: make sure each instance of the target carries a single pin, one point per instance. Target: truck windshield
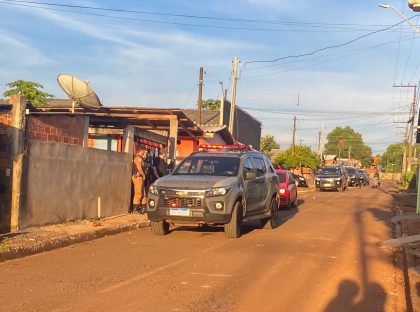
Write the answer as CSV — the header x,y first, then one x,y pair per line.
x,y
330,171
214,166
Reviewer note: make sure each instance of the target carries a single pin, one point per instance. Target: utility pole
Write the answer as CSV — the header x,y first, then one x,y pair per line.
x,y
349,153
233,100
200,95
300,142
413,116
294,133
17,138
408,135
222,104
321,134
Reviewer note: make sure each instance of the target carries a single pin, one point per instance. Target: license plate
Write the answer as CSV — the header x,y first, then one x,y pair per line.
x,y
184,212
327,184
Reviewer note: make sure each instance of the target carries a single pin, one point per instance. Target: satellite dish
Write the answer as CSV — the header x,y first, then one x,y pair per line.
x,y
79,92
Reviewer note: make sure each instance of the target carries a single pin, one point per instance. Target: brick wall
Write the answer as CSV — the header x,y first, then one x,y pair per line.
x,y
53,128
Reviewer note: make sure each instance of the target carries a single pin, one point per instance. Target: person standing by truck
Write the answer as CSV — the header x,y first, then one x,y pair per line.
x,y
161,166
138,178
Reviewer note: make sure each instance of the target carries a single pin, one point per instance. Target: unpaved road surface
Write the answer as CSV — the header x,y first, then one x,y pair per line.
x,y
325,256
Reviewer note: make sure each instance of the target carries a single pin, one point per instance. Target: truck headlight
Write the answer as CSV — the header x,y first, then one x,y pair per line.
x,y
218,191
153,189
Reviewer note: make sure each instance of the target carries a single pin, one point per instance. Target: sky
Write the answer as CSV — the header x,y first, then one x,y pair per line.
x,y
151,58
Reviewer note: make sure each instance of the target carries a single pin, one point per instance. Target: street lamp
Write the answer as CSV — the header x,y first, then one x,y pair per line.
x,y
388,6
414,5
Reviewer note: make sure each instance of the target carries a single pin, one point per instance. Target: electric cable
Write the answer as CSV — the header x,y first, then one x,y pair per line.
x,y
329,47
190,16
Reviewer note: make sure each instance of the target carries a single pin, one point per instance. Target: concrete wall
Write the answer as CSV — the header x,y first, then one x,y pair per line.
x,y
63,183
5,171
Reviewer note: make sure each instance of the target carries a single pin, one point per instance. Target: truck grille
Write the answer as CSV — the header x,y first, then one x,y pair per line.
x,y
181,202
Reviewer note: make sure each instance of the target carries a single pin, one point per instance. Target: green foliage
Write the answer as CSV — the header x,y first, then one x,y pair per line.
x,y
393,155
29,89
300,156
211,104
268,143
341,141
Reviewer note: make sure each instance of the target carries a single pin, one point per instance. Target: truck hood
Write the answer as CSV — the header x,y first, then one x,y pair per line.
x,y
194,182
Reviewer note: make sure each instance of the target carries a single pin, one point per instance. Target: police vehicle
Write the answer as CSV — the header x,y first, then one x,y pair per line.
x,y
219,185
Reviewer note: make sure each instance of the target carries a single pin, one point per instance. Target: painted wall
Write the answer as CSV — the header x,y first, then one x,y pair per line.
x,y
185,148
63,183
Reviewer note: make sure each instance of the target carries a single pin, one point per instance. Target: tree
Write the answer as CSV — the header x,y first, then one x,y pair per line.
x,y
392,158
268,143
211,104
29,89
344,142
296,157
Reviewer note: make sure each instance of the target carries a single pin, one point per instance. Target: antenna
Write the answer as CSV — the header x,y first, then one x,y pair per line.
x,y
79,92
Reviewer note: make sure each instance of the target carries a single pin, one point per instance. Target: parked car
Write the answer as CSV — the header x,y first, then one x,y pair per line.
x,y
365,177
354,176
221,185
331,178
287,189
300,180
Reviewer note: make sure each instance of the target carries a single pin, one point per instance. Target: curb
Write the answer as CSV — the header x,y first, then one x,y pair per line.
x,y
66,241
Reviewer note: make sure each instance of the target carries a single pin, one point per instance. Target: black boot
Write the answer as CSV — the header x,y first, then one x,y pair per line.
x,y
144,208
131,209
136,208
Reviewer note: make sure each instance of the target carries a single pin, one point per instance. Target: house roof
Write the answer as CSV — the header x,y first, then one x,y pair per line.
x,y
208,117
121,117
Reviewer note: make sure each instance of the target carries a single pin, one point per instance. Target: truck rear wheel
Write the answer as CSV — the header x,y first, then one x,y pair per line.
x,y
273,222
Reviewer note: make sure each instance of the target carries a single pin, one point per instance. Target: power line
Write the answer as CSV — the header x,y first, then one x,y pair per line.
x,y
322,62
327,47
190,16
37,6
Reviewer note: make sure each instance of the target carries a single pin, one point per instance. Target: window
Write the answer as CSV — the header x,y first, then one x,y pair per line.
x,y
259,166
248,167
282,177
269,165
203,165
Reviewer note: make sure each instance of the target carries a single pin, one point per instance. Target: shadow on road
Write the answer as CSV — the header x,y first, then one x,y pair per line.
x,y
348,290
248,227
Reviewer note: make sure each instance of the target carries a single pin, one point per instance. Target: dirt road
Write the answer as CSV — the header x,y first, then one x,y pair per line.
x,y
325,256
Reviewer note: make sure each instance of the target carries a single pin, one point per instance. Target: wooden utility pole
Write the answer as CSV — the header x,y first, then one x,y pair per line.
x,y
349,153
294,133
18,150
320,137
200,95
413,117
408,135
233,100
222,105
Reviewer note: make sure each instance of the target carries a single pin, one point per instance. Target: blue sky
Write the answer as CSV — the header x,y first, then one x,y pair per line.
x,y
139,63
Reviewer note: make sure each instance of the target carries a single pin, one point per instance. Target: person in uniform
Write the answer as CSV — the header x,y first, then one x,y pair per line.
x,y
138,178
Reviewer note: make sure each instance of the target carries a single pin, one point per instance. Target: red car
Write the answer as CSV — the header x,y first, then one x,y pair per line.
x,y
287,189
